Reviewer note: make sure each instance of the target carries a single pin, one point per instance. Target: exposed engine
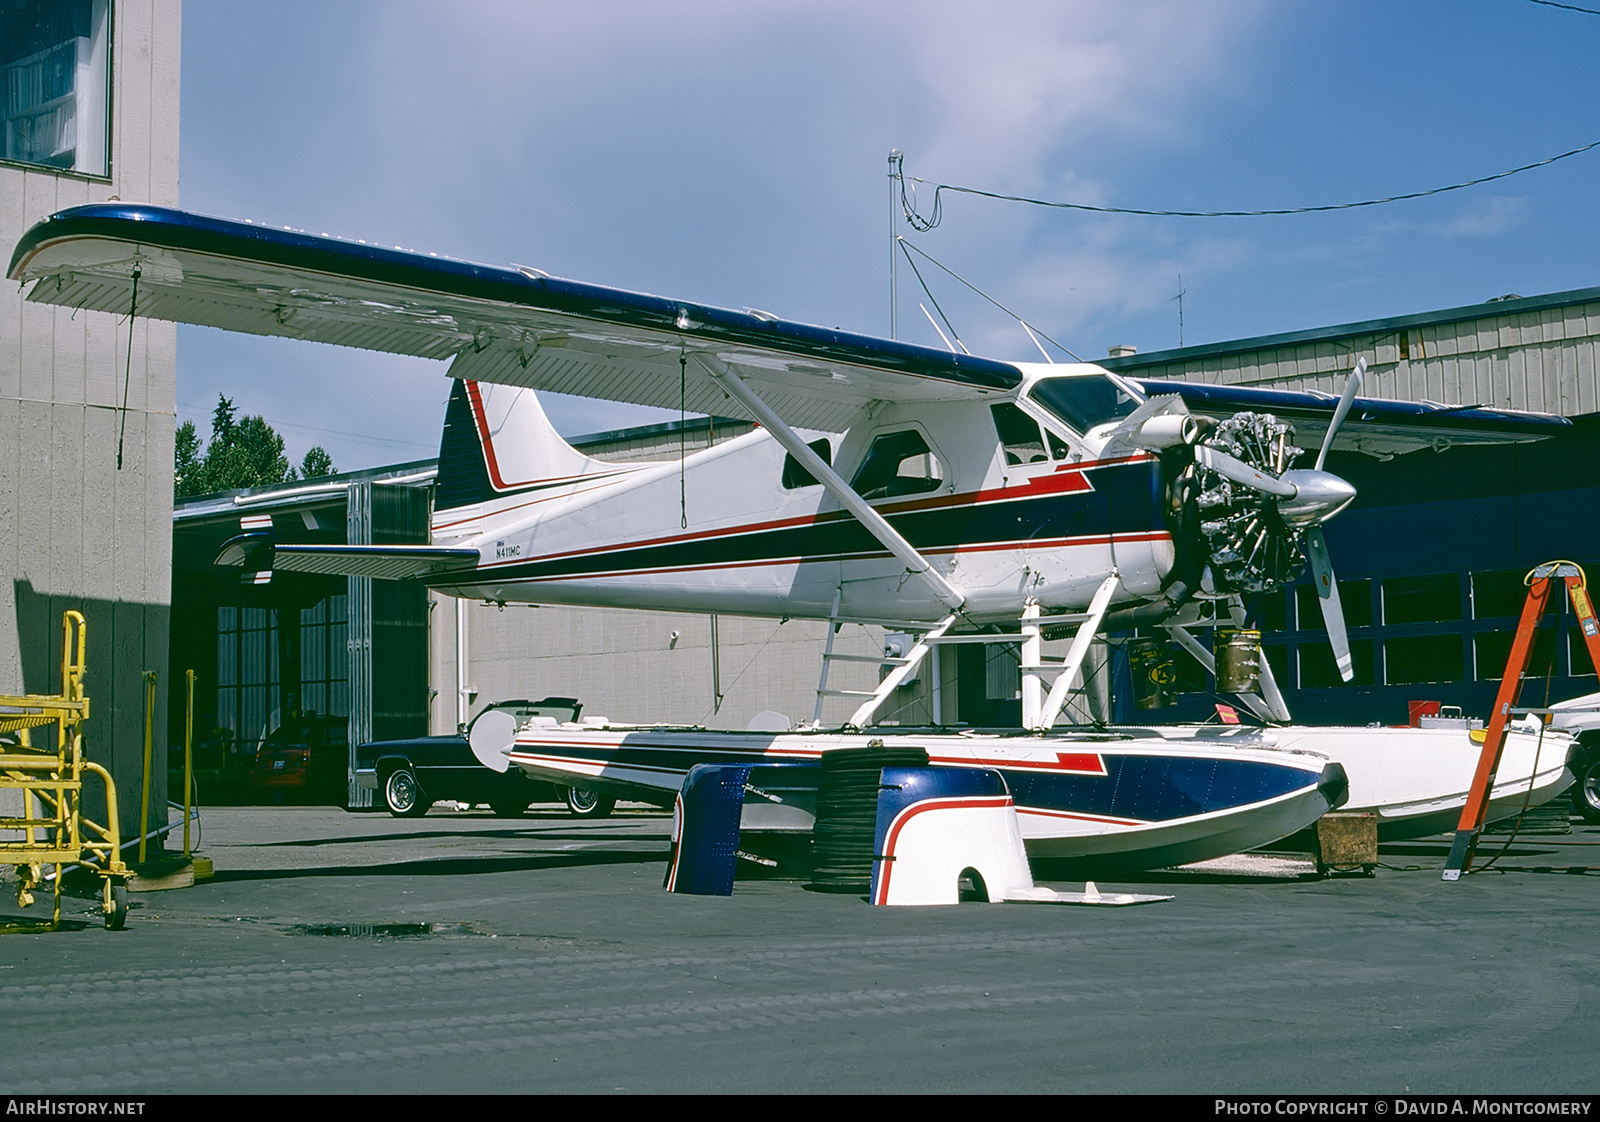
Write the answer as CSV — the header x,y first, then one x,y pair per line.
x,y
1251,548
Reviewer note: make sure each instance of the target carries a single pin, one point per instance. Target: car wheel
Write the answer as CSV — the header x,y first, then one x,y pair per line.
x,y
1586,792
402,794
587,804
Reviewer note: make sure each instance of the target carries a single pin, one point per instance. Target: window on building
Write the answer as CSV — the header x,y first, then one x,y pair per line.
x,y
324,658
1415,659
1271,612
247,673
1430,599
899,463
1355,603
1277,656
55,88
261,676
1491,649
1319,671
1499,593
1580,664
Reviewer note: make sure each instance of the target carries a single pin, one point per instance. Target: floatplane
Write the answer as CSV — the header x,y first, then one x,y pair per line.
x,y
946,496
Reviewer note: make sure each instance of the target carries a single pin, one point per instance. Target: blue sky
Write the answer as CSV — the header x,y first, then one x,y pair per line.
x,y
734,153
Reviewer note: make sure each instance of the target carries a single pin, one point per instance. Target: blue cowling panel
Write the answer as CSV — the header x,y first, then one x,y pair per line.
x,y
711,804
711,799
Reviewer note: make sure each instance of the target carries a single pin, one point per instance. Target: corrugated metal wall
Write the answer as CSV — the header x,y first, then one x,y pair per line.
x,y
1543,360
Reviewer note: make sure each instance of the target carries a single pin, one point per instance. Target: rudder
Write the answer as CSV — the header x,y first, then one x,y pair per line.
x,y
496,442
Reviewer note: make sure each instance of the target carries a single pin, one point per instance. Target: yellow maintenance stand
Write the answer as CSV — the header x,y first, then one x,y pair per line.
x,y
53,828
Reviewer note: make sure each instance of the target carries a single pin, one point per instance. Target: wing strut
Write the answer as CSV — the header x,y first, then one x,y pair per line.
x,y
1076,654
876,524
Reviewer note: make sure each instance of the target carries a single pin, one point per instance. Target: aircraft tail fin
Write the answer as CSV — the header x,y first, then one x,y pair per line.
x,y
497,442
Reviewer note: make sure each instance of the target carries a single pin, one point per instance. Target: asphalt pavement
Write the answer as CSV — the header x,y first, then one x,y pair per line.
x,y
459,953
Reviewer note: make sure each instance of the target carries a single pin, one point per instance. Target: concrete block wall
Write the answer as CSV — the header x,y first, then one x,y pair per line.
x,y
627,666
75,530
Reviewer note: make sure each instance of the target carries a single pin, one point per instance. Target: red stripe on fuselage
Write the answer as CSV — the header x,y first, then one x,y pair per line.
x,y
1025,543
1063,481
1069,763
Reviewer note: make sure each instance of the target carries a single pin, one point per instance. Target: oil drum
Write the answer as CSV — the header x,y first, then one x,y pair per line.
x,y
1238,654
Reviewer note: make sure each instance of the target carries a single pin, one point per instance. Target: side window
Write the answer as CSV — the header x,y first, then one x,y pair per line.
x,y
1019,435
54,83
795,476
898,463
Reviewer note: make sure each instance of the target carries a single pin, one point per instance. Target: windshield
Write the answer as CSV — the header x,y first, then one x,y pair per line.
x,y
1084,403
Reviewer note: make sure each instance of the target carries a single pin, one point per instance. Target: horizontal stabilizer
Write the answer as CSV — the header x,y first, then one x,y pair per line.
x,y
384,562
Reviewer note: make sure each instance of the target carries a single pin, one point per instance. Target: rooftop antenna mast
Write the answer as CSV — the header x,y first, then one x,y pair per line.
x,y
1179,299
896,172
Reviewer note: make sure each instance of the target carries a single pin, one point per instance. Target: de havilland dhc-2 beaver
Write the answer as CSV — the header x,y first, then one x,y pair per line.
x,y
928,492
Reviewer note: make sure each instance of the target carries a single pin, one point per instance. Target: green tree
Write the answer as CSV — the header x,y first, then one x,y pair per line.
x,y
242,453
189,465
317,462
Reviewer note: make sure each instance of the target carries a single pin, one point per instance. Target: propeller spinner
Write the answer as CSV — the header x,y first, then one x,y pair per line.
x,y
1261,531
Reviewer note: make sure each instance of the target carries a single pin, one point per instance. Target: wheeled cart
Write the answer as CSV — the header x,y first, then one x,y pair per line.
x,y
52,829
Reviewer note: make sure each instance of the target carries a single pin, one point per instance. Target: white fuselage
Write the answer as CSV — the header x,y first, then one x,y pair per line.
x,y
720,531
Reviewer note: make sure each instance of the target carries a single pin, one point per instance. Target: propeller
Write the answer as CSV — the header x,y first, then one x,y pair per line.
x,y
1317,548
1305,498
1351,388
1231,467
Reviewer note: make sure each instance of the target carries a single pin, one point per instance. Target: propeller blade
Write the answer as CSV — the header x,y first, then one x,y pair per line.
x,y
1328,591
1351,388
1240,472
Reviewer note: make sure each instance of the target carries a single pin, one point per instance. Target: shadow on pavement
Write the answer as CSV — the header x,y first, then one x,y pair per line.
x,y
452,866
510,833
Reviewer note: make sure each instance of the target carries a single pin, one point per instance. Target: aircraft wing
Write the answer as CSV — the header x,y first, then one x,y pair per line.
x,y
517,326
1377,426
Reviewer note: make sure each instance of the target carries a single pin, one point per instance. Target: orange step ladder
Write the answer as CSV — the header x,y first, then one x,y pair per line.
x,y
1539,582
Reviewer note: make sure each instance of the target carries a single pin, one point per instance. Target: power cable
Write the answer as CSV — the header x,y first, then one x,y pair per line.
x,y
918,222
1568,7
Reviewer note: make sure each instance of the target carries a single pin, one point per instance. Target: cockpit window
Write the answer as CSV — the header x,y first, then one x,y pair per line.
x,y
898,463
1084,403
1019,435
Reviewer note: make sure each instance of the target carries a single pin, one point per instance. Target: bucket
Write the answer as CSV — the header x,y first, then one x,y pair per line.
x,y
1238,661
1153,676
